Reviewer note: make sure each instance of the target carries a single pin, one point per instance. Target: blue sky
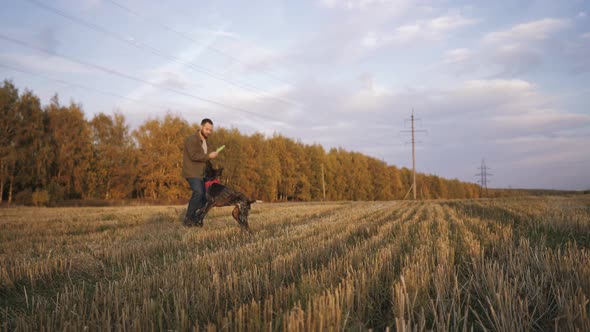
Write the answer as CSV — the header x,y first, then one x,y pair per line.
x,y
508,81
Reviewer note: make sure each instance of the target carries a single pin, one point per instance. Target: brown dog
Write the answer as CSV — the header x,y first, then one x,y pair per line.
x,y
220,195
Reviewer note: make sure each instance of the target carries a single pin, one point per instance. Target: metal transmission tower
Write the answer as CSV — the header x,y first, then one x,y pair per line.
x,y
413,131
483,174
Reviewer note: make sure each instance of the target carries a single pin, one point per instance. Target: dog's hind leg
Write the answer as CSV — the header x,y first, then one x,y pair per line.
x,y
240,214
236,213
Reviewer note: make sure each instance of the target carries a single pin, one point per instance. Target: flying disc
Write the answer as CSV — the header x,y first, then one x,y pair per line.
x,y
220,148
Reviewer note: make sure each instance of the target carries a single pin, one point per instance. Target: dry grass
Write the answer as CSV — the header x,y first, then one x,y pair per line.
x,y
502,265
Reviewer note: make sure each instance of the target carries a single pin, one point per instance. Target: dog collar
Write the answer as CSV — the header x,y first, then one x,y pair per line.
x,y
209,183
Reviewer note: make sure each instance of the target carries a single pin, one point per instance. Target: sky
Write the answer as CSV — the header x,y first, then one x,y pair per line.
x,y
503,81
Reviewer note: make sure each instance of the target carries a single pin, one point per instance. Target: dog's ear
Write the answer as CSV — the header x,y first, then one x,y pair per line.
x,y
219,171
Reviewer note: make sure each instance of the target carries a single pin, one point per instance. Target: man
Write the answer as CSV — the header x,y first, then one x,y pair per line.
x,y
194,158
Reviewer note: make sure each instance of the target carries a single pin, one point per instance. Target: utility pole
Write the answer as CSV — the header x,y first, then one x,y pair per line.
x,y
483,174
413,131
323,183
413,158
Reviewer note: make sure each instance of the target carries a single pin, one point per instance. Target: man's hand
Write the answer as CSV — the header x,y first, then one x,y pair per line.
x,y
213,155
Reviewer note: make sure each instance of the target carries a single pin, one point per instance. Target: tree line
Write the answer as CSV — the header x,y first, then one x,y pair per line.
x,y
54,153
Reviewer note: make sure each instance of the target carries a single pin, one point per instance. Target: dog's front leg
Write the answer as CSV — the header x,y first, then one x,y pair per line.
x,y
202,212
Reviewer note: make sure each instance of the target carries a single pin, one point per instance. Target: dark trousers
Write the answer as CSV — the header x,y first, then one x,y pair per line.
x,y
198,199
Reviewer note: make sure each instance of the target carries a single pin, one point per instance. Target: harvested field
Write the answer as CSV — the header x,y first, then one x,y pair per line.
x,y
502,265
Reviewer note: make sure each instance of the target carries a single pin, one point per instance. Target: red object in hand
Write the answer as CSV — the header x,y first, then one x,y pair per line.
x,y
209,183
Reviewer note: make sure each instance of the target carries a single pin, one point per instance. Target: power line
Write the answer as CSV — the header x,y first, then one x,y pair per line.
x,y
189,38
413,131
483,174
137,44
132,78
77,85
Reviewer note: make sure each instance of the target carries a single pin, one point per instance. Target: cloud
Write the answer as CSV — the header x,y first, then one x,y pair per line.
x,y
371,26
432,29
352,71
363,33
218,33
361,4
170,78
414,33
506,107
516,59
539,161
541,121
370,97
577,54
370,40
171,74
458,56
450,22
247,58
511,52
491,96
527,32
510,122
538,150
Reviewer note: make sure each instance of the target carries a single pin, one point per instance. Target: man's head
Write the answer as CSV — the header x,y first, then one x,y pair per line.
x,y
206,128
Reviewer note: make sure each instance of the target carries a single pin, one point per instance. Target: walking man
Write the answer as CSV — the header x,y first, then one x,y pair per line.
x,y
195,155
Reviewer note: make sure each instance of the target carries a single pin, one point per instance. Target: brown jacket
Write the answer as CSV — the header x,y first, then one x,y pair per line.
x,y
193,156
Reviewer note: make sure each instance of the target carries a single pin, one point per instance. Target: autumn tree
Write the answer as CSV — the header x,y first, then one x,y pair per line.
x,y
159,158
32,142
395,182
8,130
71,143
316,156
269,170
55,149
238,159
112,172
288,177
381,188
301,186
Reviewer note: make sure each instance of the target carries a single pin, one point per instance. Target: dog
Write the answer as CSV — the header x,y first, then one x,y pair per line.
x,y
218,195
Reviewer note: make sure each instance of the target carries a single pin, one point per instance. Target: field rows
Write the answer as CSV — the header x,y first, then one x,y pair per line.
x,y
504,265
